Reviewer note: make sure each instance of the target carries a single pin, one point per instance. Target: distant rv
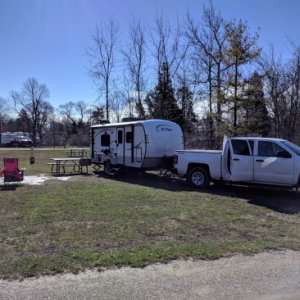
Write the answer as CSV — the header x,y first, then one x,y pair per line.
x,y
15,139
143,144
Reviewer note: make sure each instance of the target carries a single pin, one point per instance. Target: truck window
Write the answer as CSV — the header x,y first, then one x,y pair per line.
x,y
105,140
240,147
270,149
292,146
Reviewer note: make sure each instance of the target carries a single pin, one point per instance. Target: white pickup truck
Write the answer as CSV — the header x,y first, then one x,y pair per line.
x,y
243,159
15,139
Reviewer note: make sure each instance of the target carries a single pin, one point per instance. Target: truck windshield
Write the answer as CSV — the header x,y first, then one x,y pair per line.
x,y
292,146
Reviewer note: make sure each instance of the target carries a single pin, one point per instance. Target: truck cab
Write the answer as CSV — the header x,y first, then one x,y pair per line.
x,y
267,161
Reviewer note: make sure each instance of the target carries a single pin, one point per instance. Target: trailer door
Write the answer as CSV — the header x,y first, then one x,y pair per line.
x,y
120,146
129,145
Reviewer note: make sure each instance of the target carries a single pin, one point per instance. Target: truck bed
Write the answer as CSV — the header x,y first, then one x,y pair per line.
x,y
209,158
200,151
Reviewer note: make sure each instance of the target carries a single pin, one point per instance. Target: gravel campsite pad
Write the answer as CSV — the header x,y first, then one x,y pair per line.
x,y
269,275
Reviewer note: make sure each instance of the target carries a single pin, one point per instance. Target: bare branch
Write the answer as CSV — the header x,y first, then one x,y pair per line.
x,y
102,56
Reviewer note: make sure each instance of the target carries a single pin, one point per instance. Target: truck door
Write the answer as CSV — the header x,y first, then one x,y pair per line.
x,y
241,160
273,164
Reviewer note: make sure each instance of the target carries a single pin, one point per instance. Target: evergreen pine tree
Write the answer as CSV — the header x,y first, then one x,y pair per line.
x,y
162,103
256,119
185,100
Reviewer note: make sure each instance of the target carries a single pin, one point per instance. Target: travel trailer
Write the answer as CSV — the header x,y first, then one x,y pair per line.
x,y
144,144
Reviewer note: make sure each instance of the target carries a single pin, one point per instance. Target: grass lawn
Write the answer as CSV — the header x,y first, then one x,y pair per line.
x,y
97,222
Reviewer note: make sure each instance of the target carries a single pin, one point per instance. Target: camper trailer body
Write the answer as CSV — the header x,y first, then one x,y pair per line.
x,y
146,144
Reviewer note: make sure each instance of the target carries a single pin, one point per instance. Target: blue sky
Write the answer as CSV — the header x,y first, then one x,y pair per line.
x,y
46,39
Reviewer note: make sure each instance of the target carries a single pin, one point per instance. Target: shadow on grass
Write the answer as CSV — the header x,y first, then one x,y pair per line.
x,y
278,199
70,174
9,187
149,179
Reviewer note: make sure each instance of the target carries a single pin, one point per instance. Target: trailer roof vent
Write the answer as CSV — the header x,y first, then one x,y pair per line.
x,y
131,119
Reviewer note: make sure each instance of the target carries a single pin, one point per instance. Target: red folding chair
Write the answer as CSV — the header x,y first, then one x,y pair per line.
x,y
11,171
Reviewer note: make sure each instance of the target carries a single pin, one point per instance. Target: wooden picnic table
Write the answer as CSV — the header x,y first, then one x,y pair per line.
x,y
59,164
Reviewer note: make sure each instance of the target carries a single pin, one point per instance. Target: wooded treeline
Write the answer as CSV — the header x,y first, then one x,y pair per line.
x,y
208,74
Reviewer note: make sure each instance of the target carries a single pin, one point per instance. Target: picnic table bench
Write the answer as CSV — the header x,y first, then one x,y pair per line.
x,y
76,152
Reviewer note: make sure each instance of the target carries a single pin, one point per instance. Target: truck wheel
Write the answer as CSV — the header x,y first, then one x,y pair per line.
x,y
198,177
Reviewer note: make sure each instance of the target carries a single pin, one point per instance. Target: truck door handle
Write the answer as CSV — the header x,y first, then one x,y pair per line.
x,y
260,160
236,159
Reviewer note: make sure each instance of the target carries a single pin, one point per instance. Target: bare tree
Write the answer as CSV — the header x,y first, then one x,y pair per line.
x,y
282,81
32,107
118,105
275,86
295,93
135,60
169,45
208,41
75,113
3,114
56,131
102,57
75,117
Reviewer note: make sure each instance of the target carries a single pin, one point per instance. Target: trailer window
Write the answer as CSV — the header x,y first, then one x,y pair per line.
x,y
128,137
105,140
120,137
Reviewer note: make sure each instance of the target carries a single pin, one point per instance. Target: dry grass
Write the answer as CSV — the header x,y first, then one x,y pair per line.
x,y
96,222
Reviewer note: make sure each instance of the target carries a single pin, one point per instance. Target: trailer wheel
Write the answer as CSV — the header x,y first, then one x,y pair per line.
x,y
298,184
198,177
15,144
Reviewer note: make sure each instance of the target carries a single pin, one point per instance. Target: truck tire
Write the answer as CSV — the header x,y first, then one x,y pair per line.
x,y
198,177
